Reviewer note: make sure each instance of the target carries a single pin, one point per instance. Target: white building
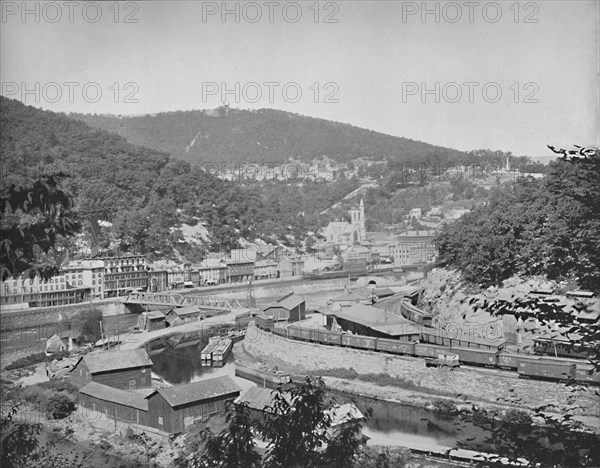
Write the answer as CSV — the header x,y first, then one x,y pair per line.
x,y
414,247
348,234
87,273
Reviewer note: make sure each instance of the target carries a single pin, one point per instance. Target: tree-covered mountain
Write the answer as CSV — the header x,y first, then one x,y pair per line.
x,y
233,136
548,226
145,194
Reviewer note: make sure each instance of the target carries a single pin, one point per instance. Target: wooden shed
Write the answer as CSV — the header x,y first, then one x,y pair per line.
x,y
122,405
291,308
150,321
181,315
173,409
118,369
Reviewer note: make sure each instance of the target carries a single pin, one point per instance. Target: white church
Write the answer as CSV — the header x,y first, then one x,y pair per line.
x,y
348,234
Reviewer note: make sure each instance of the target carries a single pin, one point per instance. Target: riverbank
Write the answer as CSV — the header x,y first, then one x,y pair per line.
x,y
407,380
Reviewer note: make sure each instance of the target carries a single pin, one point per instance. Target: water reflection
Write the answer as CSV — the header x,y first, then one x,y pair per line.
x,y
390,424
182,365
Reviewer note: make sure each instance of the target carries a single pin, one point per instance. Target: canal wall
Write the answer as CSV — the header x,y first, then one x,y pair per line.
x,y
42,316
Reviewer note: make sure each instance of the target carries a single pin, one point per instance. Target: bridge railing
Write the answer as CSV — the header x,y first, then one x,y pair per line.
x,y
180,300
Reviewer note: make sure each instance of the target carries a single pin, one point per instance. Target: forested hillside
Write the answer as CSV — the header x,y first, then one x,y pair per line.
x,y
548,226
145,193
232,136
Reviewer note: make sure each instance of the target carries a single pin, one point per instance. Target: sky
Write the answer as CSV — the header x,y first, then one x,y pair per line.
x,y
507,75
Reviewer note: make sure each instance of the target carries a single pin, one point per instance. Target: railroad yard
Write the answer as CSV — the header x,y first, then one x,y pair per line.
x,y
478,385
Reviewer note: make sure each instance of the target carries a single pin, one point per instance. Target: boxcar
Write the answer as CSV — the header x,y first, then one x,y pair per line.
x,y
508,361
584,373
428,350
280,330
394,346
547,369
326,337
299,333
477,357
359,341
264,322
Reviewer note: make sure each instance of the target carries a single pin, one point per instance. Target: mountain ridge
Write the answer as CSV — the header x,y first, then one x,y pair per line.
x,y
251,136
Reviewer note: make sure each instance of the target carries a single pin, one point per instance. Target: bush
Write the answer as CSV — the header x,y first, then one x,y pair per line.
x,y
59,386
59,406
27,361
516,417
444,406
381,457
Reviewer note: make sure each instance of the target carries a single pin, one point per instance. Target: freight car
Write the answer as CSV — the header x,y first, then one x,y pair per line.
x,y
427,350
507,361
298,333
415,314
476,357
545,368
394,346
585,373
264,323
534,367
326,337
359,342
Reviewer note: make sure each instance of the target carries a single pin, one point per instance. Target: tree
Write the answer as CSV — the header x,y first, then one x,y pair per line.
x,y
34,216
296,426
19,441
547,226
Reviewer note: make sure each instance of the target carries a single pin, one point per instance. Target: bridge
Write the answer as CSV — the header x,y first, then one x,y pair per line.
x,y
179,300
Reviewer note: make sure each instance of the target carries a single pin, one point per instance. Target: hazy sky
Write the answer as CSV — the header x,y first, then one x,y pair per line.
x,y
381,65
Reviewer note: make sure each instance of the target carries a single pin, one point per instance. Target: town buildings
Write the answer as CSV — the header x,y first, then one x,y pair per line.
x,y
59,290
414,247
123,274
89,273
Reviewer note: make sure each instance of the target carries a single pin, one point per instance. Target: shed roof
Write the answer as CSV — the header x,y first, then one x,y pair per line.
x,y
155,315
115,395
343,413
290,302
189,310
198,391
105,361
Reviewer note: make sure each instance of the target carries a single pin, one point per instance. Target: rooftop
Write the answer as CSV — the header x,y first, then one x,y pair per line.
x,y
287,302
189,310
105,361
342,413
197,391
122,397
377,319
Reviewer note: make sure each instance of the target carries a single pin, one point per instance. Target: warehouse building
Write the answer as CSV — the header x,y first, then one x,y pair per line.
x,y
173,409
118,369
290,308
129,407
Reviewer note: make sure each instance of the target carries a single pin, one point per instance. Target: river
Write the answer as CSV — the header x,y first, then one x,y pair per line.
x,y
390,424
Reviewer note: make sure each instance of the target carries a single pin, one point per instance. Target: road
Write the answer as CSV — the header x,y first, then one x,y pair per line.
x,y
132,340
